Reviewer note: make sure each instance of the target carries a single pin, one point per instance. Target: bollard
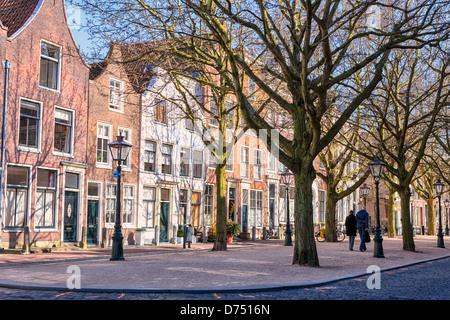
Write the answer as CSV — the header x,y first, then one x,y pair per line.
x,y
264,233
254,233
26,240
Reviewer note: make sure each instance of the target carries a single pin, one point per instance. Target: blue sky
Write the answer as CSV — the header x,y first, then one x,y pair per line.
x,y
77,19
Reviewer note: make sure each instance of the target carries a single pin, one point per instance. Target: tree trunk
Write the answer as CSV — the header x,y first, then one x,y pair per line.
x,y
330,216
220,242
407,230
431,230
391,222
305,251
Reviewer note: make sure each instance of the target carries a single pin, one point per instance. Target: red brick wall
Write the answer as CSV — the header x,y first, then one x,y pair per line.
x,y
24,53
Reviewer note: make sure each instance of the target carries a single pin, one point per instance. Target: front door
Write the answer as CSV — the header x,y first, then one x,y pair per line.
x,y
70,216
164,222
92,222
272,213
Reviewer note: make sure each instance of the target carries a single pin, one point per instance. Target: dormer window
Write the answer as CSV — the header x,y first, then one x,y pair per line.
x,y
49,67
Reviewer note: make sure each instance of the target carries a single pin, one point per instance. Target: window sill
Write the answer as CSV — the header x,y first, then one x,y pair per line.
x,y
103,166
116,110
29,149
43,229
63,154
49,89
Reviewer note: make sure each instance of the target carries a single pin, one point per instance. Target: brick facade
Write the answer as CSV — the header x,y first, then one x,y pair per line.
x,y
31,141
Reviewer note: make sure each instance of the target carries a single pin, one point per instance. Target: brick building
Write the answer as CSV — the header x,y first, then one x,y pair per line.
x,y
45,100
114,109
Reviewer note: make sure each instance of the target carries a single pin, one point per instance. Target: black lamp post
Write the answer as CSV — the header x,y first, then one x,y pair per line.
x,y
286,179
119,150
439,189
376,168
365,191
447,208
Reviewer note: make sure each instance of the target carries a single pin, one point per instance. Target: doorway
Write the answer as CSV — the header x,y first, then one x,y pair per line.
x,y
164,215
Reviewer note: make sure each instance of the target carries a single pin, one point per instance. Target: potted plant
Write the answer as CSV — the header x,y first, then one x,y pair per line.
x,y
180,236
139,235
232,229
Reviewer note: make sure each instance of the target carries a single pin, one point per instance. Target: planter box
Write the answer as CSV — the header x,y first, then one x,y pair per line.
x,y
140,238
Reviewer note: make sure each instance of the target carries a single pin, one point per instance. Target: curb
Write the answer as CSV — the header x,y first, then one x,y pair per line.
x,y
316,283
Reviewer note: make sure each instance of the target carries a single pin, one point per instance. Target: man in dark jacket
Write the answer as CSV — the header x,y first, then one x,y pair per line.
x,y
350,226
362,223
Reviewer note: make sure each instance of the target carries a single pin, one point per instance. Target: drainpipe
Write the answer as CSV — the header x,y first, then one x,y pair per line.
x,y
7,66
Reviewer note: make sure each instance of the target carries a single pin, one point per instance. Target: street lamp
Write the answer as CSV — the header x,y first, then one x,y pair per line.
x,y
376,168
447,208
365,191
286,179
119,150
439,189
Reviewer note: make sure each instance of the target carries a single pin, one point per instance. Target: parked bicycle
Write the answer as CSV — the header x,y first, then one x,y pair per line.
x,y
321,235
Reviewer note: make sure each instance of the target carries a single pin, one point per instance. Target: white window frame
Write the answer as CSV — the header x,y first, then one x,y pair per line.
x,y
127,165
39,133
113,199
55,202
257,165
112,106
125,200
58,85
108,164
72,131
245,166
149,223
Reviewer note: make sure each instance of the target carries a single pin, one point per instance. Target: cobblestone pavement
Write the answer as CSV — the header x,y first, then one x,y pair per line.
x,y
425,281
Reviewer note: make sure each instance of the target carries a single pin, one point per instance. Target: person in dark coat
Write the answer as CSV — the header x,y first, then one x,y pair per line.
x,y
362,223
350,226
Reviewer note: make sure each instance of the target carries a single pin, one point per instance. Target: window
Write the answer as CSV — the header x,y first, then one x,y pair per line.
x,y
29,124
195,208
149,207
256,207
321,206
104,132
198,163
251,90
185,161
230,114
111,192
160,111
212,163
150,156
245,162
215,113
115,95
230,159
209,201
128,204
71,180
189,124
93,189
63,131
16,196
126,134
166,166
282,203
257,167
49,68
45,198
182,213
272,162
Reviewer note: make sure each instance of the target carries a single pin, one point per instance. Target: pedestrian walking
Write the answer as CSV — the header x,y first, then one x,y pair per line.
x,y
350,226
362,223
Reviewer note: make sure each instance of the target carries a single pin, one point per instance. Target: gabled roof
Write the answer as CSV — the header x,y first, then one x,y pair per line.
x,y
14,14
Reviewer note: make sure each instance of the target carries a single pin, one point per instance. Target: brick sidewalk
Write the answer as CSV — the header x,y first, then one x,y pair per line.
x,y
250,265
